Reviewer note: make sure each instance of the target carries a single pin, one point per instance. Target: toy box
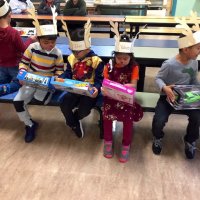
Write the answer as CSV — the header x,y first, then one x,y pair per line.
x,y
118,91
186,97
73,86
34,80
26,31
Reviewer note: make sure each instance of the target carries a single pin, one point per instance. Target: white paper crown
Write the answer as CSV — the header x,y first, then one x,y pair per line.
x,y
192,35
122,47
79,45
4,9
48,29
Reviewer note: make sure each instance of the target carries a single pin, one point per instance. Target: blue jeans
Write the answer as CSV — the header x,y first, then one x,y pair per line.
x,y
162,112
8,79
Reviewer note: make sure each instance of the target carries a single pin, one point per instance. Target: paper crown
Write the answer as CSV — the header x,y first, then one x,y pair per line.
x,y
4,8
191,35
45,30
79,45
122,47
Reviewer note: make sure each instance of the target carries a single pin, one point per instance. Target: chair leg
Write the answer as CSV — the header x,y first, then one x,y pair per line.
x,y
101,133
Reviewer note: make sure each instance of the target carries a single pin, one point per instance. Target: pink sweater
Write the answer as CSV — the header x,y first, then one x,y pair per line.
x,y
11,47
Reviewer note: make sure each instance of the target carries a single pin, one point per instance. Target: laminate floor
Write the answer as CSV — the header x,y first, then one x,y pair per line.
x,y
58,165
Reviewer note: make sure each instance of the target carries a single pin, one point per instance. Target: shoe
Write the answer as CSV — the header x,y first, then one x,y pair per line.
x,y
78,129
30,132
190,149
124,156
157,146
108,149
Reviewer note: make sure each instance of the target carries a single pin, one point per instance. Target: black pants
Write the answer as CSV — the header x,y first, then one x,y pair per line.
x,y
84,104
162,113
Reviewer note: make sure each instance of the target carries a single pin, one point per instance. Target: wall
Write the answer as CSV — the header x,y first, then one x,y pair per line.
x,y
183,7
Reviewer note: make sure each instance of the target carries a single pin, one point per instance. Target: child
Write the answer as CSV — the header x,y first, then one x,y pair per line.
x,y
45,7
83,65
41,58
11,49
125,71
182,70
20,6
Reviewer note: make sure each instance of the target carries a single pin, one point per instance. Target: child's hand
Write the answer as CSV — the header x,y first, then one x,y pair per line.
x,y
103,91
21,82
168,91
34,38
95,93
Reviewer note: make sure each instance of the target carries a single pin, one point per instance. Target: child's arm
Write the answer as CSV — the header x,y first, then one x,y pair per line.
x,y
59,65
67,73
134,77
26,59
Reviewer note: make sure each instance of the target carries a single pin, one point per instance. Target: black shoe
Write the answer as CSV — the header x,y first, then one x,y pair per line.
x,y
78,129
157,146
190,149
30,132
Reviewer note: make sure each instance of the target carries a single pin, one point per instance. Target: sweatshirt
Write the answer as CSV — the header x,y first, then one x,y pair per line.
x,y
11,47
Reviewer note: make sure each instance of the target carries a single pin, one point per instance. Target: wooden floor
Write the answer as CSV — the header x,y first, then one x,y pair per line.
x,y
59,166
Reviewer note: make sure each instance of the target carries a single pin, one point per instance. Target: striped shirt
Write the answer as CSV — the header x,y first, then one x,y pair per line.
x,y
38,61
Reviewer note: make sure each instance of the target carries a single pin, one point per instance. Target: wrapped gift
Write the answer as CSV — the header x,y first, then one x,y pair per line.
x,y
118,91
26,31
73,86
186,97
34,80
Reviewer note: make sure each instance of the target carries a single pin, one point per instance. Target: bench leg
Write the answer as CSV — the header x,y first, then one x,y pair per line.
x,y
101,134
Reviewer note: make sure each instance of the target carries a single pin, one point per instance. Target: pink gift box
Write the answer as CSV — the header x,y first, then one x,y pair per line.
x,y
118,91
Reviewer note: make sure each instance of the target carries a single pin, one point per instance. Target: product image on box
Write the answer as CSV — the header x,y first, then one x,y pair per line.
x,y
74,86
186,97
34,80
118,91
26,31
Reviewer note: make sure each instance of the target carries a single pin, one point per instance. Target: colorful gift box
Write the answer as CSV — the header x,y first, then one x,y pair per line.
x,y
186,97
118,91
34,80
73,86
26,31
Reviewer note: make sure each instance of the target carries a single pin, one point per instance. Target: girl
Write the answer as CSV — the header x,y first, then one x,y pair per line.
x,y
125,71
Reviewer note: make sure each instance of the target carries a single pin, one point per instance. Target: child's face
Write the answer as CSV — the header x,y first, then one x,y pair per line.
x,y
47,45
193,52
122,59
80,54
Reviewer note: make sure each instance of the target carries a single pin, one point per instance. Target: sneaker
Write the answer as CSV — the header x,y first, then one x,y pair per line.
x,y
124,156
30,132
190,149
78,129
157,146
108,149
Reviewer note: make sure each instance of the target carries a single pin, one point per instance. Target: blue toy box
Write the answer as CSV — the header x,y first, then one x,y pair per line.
x,y
34,80
73,86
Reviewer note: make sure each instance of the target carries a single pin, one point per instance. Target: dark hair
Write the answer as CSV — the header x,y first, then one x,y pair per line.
x,y
47,37
77,35
2,2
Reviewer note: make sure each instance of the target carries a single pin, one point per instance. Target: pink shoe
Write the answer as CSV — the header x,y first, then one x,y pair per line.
x,y
108,149
124,156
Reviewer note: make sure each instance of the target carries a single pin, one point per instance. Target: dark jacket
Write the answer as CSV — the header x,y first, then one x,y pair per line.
x,y
75,10
44,9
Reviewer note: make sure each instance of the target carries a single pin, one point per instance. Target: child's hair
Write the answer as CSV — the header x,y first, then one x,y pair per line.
x,y
77,34
47,37
2,2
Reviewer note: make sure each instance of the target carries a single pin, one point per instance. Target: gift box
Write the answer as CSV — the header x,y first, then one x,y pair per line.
x,y
186,97
73,86
34,80
26,31
118,91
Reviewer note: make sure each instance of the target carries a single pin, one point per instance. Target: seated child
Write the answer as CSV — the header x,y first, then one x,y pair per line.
x,y
11,50
20,6
83,65
41,58
123,70
182,69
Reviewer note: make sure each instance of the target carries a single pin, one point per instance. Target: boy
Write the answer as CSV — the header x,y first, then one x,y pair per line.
x,y
11,49
40,58
182,70
83,65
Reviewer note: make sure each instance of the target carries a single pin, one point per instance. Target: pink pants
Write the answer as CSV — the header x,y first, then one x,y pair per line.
x,y
127,131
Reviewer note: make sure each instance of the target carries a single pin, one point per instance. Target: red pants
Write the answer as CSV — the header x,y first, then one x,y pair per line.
x,y
127,131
